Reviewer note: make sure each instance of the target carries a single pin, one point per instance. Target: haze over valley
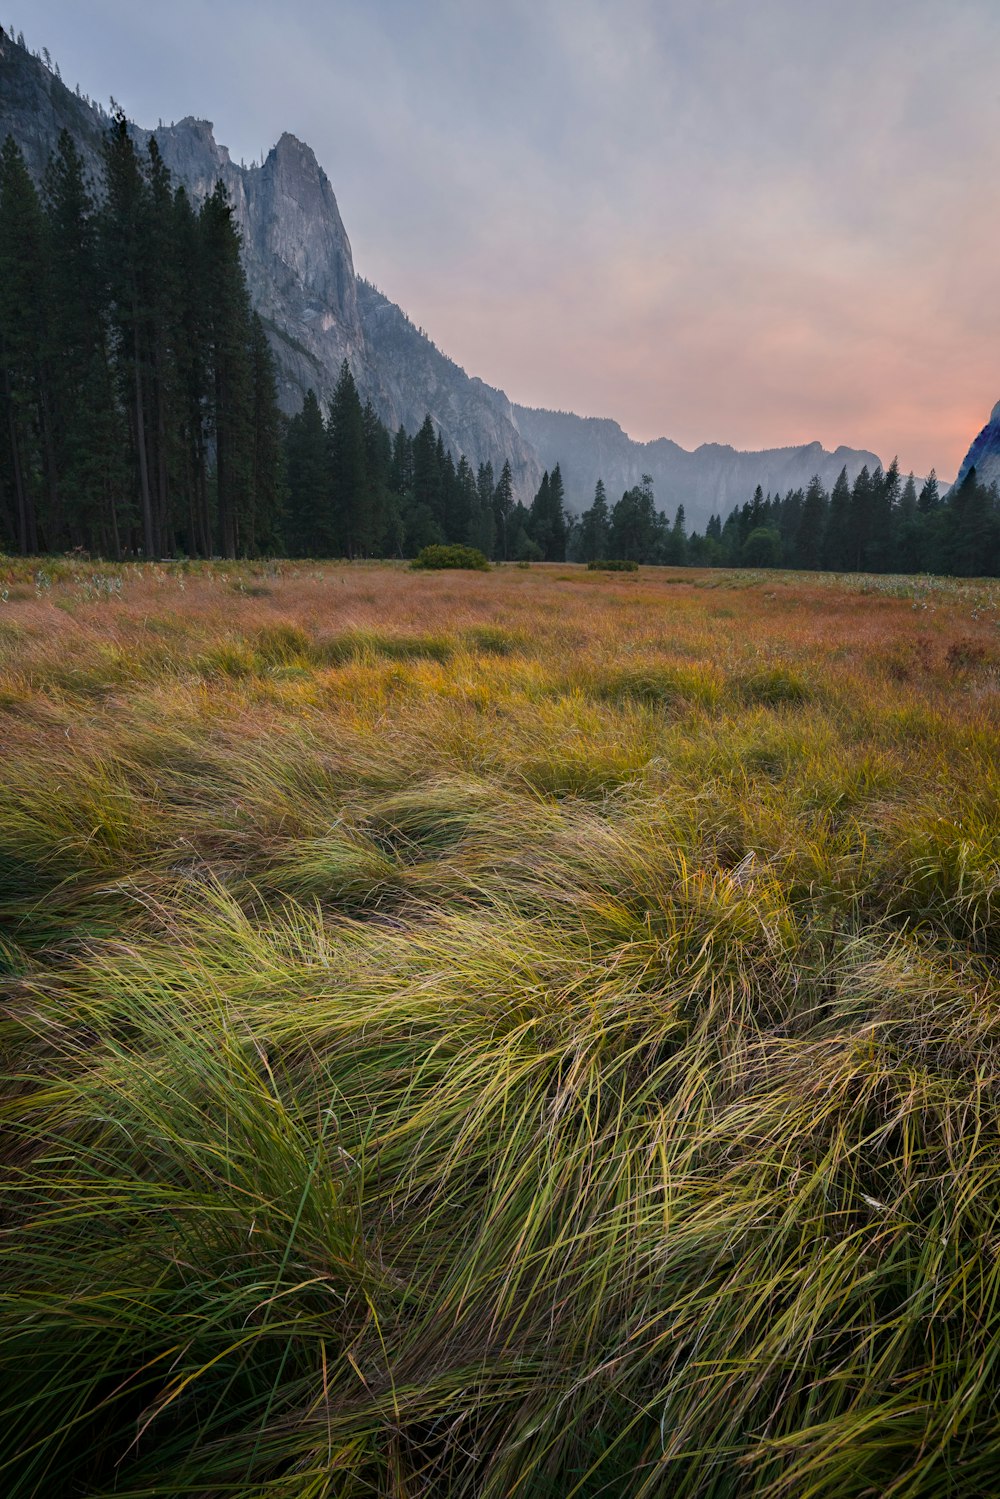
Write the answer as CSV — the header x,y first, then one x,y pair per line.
x,y
317,311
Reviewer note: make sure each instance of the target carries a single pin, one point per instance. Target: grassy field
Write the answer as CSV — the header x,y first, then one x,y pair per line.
x,y
526,1034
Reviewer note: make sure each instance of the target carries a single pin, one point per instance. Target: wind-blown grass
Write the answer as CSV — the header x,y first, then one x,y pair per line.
x,y
560,1062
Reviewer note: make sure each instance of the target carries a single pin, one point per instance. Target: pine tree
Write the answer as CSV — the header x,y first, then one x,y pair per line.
x,y
971,540
191,356
308,530
128,361
428,501
537,524
558,525
503,509
89,437
227,339
127,267
595,527
929,498
837,541
23,337
482,525
678,539
440,506
546,524
884,504
757,513
811,533
351,529
786,517
861,514
450,525
392,452
267,478
908,538
165,394
378,529
465,501
401,470
908,499
635,530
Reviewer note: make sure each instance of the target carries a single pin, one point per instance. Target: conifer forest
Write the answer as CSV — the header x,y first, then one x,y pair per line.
x,y
140,418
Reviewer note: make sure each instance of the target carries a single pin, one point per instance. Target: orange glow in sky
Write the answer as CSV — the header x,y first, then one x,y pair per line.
x,y
757,223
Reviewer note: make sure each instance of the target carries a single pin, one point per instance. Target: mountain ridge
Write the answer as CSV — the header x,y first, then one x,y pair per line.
x,y
318,311
711,478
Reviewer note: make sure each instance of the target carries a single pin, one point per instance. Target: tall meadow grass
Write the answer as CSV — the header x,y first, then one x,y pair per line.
x,y
533,1034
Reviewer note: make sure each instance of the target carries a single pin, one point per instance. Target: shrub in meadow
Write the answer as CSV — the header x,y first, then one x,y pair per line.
x,y
612,565
435,558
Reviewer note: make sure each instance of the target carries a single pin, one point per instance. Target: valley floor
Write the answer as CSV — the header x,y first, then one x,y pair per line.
x,y
532,1033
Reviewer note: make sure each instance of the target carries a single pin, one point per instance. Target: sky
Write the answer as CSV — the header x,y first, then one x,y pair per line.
x,y
760,222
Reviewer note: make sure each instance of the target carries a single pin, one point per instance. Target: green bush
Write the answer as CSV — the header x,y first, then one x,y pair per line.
x,y
438,557
762,548
612,565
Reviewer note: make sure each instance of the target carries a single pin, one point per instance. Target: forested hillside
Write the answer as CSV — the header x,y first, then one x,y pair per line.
x,y
139,417
139,410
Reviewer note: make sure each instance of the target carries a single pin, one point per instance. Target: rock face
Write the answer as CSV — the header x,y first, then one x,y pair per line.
x,y
300,271
35,106
317,312
984,454
412,377
713,478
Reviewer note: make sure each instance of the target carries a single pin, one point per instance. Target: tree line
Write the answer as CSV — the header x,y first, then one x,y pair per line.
x,y
881,523
139,417
357,491
138,404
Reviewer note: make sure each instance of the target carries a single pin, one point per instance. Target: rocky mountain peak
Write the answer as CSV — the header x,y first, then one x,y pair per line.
x,y
984,453
291,150
193,154
203,132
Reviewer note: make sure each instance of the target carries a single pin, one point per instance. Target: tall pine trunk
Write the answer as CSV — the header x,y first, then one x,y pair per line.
x,y
56,518
27,526
227,535
140,442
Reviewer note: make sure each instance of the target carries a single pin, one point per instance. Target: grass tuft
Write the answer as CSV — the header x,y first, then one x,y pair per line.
x,y
463,1036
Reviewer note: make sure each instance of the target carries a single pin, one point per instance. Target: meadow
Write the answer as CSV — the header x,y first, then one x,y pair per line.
x,y
532,1033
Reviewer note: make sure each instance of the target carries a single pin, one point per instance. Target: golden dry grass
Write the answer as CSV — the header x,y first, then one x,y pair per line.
x,y
524,1033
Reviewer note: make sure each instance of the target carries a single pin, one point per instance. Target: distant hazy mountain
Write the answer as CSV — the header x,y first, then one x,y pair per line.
x,y
713,478
984,454
302,280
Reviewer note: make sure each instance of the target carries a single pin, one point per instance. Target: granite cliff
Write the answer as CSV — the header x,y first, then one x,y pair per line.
x,y
300,270
984,454
318,312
